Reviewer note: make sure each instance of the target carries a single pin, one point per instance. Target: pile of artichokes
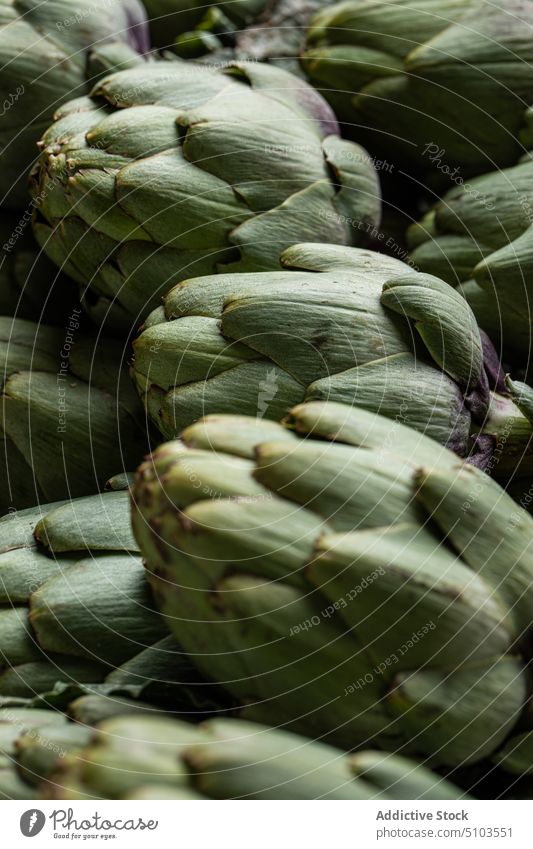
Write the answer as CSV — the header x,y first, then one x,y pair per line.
x,y
266,431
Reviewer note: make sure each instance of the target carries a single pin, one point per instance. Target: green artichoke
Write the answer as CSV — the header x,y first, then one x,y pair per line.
x,y
136,756
69,417
343,324
75,609
171,18
433,85
480,235
45,59
175,169
367,589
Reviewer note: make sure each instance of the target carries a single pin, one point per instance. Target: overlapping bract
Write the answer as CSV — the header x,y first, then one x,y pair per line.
x,y
173,169
73,598
272,30
171,18
44,60
342,325
134,753
75,609
414,77
480,235
69,418
368,588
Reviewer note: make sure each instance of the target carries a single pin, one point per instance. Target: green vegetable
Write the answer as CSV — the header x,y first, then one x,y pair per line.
x,y
257,29
143,756
368,587
169,18
339,324
175,169
75,610
73,602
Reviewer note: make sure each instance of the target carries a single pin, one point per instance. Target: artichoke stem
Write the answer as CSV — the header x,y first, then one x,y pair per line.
x,y
511,432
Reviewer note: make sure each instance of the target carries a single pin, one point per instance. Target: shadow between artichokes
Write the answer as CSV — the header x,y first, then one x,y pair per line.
x,y
142,754
31,286
339,324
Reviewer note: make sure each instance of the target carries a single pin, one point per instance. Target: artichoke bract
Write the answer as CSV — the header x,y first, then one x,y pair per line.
x,y
135,755
175,169
340,324
76,610
69,417
431,84
480,236
371,588
45,60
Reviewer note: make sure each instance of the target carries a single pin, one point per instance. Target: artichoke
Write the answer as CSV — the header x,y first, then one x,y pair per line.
x,y
171,18
175,169
278,33
434,85
69,417
76,610
133,755
45,59
343,324
480,236
369,589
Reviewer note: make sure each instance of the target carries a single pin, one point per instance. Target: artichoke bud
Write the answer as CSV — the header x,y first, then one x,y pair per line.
x,y
356,583
516,756
360,331
45,57
174,161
